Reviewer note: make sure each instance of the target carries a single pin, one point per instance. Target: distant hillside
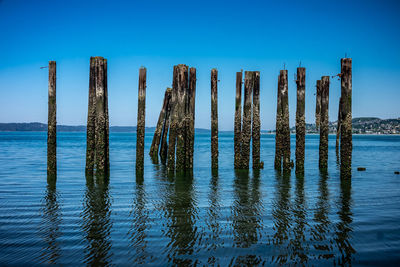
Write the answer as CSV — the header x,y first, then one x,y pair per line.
x,y
42,127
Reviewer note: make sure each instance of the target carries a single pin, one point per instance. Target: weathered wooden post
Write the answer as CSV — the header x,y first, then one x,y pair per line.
x,y
214,119
107,118
300,120
318,105
182,88
246,129
91,120
52,123
346,142
159,128
140,127
324,126
278,128
238,120
338,126
164,145
285,121
256,123
101,157
191,97
173,123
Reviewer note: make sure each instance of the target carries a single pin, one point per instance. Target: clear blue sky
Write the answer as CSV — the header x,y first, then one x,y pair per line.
x,y
228,35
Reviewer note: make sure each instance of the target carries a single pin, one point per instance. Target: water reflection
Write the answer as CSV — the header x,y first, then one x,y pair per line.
x,y
96,221
140,219
50,226
182,213
320,233
343,227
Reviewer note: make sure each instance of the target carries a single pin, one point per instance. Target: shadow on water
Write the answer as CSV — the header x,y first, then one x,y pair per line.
x,y
140,218
246,215
96,221
343,227
181,213
50,226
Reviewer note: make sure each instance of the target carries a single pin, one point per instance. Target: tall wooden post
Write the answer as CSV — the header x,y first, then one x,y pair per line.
x,y
182,88
173,123
52,123
285,121
246,129
107,161
191,97
324,126
238,120
91,120
214,119
318,105
346,142
159,128
101,150
278,128
300,120
164,144
338,126
141,121
256,123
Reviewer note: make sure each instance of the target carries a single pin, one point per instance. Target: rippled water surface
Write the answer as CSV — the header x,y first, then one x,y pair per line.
x,y
224,218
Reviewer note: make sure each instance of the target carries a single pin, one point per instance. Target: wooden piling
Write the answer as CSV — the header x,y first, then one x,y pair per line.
x,y
214,119
324,124
107,139
173,123
101,138
300,120
140,127
278,128
238,120
191,97
338,126
52,123
256,122
346,143
246,129
164,144
285,121
159,128
318,105
182,88
91,120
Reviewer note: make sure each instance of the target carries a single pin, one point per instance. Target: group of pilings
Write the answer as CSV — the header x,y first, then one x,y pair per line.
x,y
97,131
247,127
177,118
176,122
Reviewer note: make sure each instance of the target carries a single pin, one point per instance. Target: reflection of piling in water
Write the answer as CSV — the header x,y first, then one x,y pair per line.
x,y
318,105
256,123
324,126
97,145
246,129
214,119
300,120
300,248
282,139
160,125
238,120
52,123
140,127
346,143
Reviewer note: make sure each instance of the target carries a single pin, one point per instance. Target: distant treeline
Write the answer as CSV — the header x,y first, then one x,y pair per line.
x,y
365,125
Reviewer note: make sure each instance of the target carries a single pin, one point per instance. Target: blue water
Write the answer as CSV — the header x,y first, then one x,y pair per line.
x,y
225,218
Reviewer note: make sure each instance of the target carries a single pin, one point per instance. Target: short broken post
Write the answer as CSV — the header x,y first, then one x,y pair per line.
x,y
246,129
238,120
140,128
256,122
324,124
52,123
300,120
214,119
346,142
